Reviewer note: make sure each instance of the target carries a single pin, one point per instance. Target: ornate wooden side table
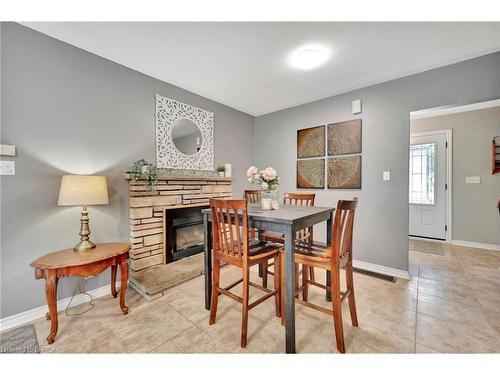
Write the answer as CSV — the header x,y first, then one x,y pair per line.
x,y
92,262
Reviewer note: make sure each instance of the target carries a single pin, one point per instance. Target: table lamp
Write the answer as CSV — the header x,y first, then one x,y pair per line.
x,y
77,190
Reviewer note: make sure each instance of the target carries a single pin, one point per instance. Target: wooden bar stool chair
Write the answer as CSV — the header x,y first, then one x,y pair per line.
x,y
232,245
338,255
304,235
253,196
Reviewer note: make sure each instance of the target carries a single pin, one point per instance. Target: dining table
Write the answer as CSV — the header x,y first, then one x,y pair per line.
x,y
286,219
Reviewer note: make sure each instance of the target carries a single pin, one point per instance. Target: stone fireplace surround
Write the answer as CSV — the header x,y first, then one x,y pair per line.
x,y
147,237
146,211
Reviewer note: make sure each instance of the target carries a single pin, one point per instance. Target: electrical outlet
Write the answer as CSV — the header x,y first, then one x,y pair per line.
x,y
386,176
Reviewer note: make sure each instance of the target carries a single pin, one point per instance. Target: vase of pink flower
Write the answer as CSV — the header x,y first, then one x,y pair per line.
x,y
269,181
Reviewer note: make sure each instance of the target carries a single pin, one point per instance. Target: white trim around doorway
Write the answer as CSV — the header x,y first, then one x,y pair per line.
x,y
449,176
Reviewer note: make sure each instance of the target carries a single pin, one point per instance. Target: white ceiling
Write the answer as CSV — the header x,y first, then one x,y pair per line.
x,y
244,65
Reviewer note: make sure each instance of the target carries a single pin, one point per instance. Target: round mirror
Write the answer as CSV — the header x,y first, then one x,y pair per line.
x,y
186,136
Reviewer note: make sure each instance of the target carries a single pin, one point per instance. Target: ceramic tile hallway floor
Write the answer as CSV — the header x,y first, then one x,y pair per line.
x,y
451,305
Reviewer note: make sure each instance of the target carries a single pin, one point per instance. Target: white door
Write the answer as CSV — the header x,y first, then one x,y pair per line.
x,y
427,195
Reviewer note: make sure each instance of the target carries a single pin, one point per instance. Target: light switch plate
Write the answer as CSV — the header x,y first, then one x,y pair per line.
x,y
386,175
356,106
7,168
472,179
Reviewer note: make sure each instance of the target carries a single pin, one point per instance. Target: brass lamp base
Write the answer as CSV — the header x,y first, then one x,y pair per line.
x,y
84,244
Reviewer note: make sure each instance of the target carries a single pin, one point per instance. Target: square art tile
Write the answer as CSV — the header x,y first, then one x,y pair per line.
x,y
311,142
344,172
311,174
344,138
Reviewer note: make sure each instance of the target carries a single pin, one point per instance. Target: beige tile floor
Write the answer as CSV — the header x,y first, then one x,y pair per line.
x,y
451,305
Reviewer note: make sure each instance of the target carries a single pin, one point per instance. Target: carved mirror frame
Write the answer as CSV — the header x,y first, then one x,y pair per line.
x,y
168,111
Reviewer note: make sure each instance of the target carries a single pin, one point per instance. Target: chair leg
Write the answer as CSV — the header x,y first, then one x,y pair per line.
x,y
297,278
277,281
265,267
351,299
305,284
215,292
244,309
282,288
337,310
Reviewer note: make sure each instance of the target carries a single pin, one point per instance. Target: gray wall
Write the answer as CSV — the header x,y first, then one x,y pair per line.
x,y
475,212
382,219
69,111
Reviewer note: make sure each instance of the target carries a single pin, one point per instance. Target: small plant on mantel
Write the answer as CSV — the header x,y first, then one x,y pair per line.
x,y
143,170
221,169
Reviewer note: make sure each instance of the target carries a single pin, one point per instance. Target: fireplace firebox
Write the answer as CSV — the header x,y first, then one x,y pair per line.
x,y
183,232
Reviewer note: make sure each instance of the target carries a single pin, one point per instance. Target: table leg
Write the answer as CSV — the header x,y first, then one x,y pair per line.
x,y
289,290
51,295
207,224
114,293
329,242
123,284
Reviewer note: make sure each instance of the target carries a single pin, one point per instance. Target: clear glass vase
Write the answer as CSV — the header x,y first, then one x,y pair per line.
x,y
269,200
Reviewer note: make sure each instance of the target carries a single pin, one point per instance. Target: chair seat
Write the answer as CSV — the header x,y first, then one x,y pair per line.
x,y
273,236
280,238
256,248
315,249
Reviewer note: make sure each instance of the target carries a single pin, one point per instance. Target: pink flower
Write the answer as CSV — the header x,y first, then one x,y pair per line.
x,y
251,171
270,173
265,185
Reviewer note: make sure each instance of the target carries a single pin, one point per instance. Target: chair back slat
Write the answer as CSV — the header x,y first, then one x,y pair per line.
x,y
342,230
299,199
230,227
253,196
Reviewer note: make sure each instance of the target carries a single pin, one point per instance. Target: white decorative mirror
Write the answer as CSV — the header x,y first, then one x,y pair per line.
x,y
184,136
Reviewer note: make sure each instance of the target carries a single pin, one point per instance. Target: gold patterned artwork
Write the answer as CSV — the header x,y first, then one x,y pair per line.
x,y
311,142
311,174
344,172
344,138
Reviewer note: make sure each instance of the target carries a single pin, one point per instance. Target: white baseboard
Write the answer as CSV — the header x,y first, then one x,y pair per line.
x,y
39,312
381,269
479,245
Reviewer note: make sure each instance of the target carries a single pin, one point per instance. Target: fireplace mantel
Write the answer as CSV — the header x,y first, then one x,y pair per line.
x,y
147,209
170,177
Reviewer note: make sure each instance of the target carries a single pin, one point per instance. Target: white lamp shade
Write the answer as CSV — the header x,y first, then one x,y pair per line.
x,y
83,190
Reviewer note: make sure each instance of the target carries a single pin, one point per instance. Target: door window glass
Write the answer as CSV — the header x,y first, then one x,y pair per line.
x,y
422,180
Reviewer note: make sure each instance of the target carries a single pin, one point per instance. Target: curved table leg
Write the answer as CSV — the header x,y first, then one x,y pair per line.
x,y
123,285
114,293
51,295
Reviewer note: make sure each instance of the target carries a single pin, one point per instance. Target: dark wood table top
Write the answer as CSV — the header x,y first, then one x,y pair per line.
x,y
70,257
285,214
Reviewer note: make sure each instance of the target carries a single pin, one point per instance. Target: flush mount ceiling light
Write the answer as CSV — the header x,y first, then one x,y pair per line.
x,y
309,57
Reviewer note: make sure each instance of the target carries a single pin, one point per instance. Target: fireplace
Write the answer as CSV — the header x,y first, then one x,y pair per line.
x,y
152,212
183,232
